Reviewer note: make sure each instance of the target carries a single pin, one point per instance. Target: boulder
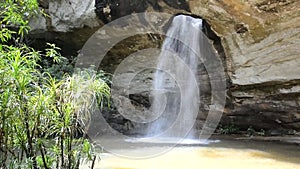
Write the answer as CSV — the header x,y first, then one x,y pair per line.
x,y
70,14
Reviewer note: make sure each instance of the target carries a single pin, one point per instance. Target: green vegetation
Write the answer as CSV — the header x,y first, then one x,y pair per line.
x,y
233,129
229,129
43,119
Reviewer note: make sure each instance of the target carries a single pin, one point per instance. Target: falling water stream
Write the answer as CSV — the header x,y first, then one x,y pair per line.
x,y
175,88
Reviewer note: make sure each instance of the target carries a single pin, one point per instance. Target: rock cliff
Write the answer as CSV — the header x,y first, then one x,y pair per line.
x,y
258,41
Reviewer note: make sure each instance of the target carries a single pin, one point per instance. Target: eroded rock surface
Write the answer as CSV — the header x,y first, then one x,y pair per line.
x,y
261,40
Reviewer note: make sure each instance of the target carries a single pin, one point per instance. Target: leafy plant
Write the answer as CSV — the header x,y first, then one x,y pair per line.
x,y
14,15
42,119
262,132
251,131
229,129
59,65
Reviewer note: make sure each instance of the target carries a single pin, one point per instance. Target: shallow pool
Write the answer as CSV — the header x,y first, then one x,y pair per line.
x,y
217,154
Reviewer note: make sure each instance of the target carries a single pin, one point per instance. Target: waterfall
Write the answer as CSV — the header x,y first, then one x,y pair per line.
x,y
175,94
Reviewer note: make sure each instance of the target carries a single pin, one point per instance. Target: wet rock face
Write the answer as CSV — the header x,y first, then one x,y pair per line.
x,y
266,106
138,94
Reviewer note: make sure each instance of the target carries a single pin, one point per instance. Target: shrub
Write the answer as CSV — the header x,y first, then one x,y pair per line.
x,y
229,129
41,116
36,107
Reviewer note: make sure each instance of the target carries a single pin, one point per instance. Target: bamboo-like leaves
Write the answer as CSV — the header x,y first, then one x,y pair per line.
x,y
41,117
